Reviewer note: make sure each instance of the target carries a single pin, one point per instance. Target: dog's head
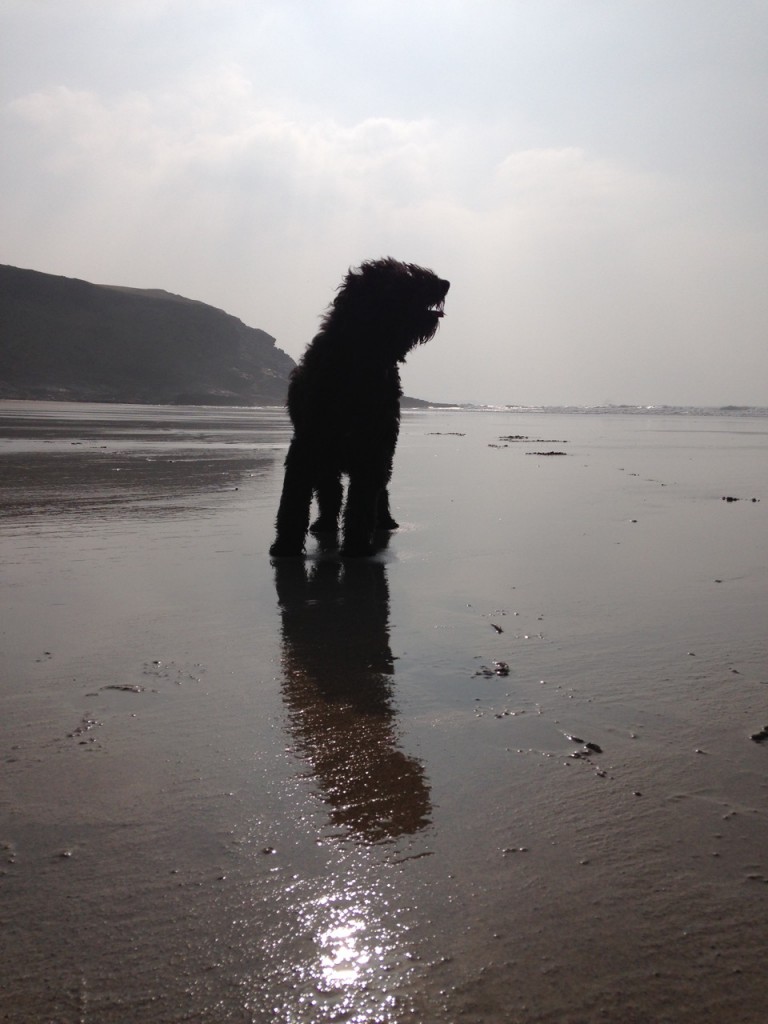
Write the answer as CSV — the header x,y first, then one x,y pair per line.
x,y
398,305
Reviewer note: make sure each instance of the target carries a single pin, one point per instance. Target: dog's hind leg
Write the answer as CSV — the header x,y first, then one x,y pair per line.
x,y
293,512
329,493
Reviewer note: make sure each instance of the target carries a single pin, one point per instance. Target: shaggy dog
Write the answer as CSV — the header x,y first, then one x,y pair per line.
x,y
344,403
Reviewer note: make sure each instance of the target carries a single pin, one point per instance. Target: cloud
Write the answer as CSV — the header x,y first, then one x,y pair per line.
x,y
575,272
205,167
215,143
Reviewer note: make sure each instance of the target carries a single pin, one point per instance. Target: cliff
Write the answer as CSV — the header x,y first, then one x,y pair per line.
x,y
62,338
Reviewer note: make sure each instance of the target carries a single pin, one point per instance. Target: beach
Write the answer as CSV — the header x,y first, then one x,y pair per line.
x,y
510,769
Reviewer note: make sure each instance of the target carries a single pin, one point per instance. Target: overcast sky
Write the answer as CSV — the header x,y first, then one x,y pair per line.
x,y
589,174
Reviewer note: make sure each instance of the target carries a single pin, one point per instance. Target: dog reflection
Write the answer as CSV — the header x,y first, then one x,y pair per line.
x,y
338,671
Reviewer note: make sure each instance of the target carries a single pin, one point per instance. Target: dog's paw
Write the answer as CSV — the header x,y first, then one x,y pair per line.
x,y
324,524
387,523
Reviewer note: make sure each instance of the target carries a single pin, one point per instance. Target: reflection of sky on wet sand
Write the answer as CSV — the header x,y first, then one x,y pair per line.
x,y
360,957
119,485
335,946
121,462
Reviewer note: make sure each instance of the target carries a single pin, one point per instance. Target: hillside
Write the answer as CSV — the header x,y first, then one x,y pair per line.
x,y
62,338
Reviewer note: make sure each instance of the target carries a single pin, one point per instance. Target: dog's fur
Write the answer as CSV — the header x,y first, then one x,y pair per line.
x,y
344,402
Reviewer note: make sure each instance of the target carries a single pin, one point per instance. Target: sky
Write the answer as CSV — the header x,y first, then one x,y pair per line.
x,y
590,175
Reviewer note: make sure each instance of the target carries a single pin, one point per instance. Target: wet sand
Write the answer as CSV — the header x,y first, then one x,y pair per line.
x,y
501,772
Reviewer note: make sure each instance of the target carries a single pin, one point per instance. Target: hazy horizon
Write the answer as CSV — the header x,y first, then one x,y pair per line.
x,y
590,177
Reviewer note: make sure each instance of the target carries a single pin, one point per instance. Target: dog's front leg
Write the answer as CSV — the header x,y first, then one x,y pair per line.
x,y
330,493
293,512
384,520
360,514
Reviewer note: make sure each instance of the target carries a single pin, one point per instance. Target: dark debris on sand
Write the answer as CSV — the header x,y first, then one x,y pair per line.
x,y
516,438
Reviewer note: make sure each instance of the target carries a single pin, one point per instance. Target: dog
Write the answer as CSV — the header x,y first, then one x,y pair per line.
x,y
344,403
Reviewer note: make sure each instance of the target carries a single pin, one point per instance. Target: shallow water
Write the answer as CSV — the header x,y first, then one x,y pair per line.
x,y
319,791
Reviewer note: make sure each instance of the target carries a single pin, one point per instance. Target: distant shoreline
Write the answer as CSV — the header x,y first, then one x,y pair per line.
x,y
409,404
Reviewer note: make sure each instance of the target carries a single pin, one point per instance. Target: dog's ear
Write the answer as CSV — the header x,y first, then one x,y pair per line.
x,y
349,293
364,287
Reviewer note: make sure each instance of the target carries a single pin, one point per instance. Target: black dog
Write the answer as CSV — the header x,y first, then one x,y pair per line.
x,y
344,402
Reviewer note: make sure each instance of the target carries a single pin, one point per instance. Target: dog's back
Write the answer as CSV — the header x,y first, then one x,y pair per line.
x,y
337,403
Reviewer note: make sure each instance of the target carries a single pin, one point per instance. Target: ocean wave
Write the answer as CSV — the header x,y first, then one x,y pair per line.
x,y
737,411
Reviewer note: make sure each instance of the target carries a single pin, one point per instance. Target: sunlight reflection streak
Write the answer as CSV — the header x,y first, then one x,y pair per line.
x,y
359,957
